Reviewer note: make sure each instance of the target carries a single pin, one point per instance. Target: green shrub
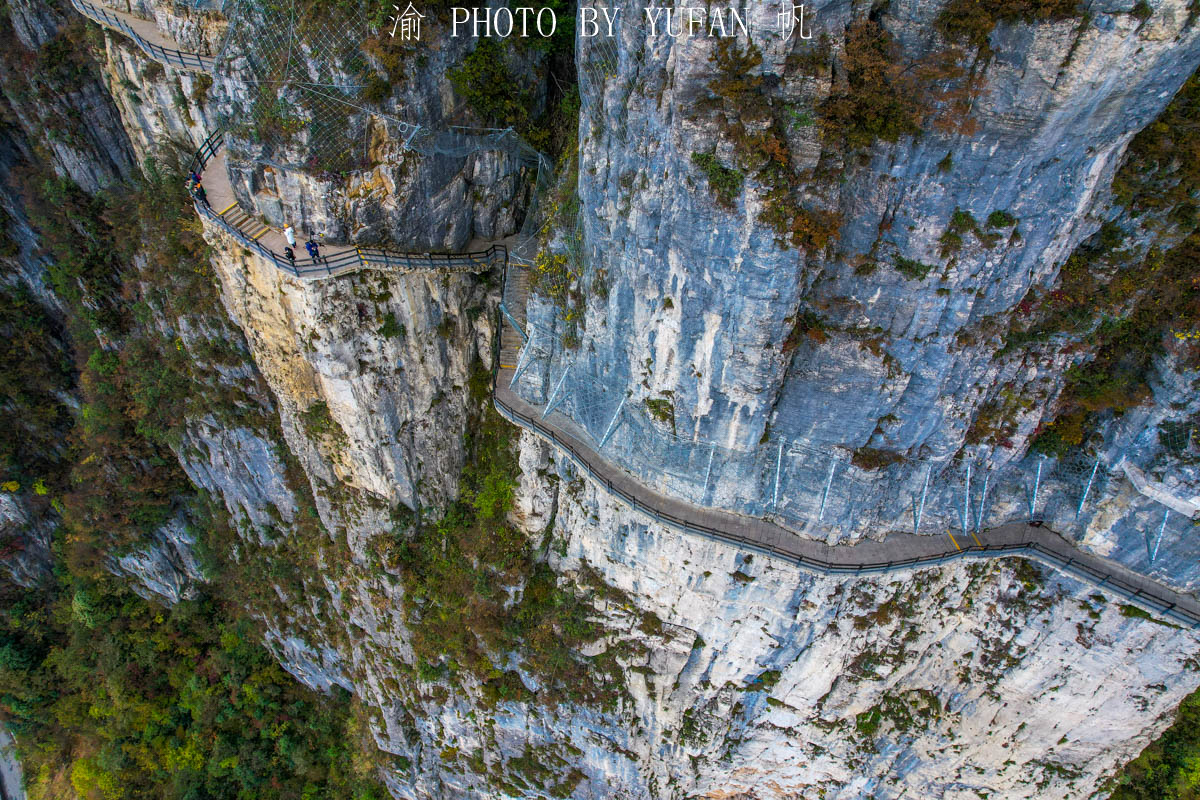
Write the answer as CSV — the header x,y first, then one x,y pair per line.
x,y
972,21
662,409
725,183
391,329
319,423
876,101
1001,219
806,325
377,90
489,87
912,269
874,458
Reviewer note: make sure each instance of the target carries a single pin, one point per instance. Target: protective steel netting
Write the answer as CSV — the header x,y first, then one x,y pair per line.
x,y
314,73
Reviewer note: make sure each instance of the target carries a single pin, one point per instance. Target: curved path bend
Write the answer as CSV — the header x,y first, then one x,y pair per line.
x,y
146,35
895,552
222,210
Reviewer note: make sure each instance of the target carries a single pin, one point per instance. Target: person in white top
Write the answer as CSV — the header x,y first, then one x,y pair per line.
x,y
290,235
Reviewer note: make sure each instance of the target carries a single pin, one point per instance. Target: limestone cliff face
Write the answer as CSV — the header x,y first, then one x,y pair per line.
x,y
1058,104
983,677
738,676
370,372
874,318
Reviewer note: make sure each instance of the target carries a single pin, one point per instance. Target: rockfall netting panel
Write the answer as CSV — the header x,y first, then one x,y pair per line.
x,y
819,489
311,91
303,73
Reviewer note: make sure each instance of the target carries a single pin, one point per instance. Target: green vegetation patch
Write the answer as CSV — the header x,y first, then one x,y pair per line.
x,y
725,183
486,82
755,122
110,695
902,711
874,458
476,591
912,269
972,22
1166,769
118,697
1128,306
877,101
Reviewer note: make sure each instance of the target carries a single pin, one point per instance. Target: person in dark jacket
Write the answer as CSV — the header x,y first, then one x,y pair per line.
x,y
203,195
291,256
314,252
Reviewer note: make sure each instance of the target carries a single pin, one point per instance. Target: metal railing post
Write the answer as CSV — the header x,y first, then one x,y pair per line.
x,y
522,362
921,508
778,465
1158,539
1037,484
982,501
966,515
550,403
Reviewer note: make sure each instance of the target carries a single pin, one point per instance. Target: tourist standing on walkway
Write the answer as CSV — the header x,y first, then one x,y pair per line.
x,y
291,256
290,235
203,195
313,250
193,176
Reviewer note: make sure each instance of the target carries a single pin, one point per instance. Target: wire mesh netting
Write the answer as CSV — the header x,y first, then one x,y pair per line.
x,y
316,97
306,71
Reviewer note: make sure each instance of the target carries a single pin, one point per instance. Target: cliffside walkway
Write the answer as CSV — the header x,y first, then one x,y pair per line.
x,y
145,35
223,210
895,552
253,234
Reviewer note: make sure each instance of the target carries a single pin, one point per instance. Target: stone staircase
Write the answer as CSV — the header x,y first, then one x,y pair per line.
x,y
250,227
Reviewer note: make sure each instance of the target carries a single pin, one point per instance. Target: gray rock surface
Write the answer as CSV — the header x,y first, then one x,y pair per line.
x,y
757,680
165,568
10,767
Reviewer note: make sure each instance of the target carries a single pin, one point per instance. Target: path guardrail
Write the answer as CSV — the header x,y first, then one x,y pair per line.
x,y
348,261
192,62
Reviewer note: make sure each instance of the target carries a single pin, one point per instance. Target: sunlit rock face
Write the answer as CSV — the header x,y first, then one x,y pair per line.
x,y
884,338
740,676
1056,107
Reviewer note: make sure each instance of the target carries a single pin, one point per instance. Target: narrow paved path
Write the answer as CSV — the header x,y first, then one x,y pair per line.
x,y
223,203
896,551
222,210
146,35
